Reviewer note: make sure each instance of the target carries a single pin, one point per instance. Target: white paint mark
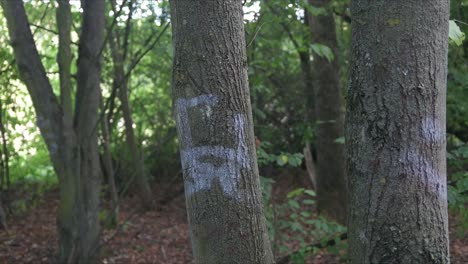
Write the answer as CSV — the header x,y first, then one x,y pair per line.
x,y
432,131
368,59
201,175
424,166
208,111
426,174
362,237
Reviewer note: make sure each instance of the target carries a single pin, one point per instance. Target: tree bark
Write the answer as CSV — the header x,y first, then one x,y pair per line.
x,y
86,123
395,132
65,57
215,129
331,181
72,144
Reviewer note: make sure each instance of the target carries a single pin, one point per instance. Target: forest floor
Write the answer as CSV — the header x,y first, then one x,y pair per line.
x,y
156,236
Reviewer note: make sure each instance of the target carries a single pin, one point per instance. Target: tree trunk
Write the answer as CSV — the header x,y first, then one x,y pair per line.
x,y
86,124
395,132
109,171
137,166
72,144
331,182
215,129
5,155
119,50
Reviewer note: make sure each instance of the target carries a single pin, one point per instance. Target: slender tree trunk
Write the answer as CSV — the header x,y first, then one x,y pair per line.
x,y
109,170
214,120
72,144
136,160
5,158
331,182
395,132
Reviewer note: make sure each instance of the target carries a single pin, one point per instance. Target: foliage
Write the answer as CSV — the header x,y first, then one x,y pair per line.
x,y
458,185
293,221
455,34
276,35
282,159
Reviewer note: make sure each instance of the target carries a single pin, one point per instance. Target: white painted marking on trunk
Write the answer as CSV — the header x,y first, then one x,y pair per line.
x,y
432,131
201,175
426,174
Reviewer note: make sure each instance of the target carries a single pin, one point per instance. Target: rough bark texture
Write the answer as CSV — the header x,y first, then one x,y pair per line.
x,y
72,145
331,182
86,124
215,129
395,132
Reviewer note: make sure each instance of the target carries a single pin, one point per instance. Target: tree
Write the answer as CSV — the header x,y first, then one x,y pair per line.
x,y
215,130
120,84
395,132
71,137
331,184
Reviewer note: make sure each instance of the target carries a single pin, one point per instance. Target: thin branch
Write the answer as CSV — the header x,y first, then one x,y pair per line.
x,y
109,30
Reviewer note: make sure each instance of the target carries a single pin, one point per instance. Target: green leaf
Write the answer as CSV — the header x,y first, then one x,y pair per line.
x,y
295,193
323,51
455,34
294,204
305,214
308,201
311,193
294,161
340,140
282,160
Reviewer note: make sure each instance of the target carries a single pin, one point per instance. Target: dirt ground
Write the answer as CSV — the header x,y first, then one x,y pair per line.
x,y
157,236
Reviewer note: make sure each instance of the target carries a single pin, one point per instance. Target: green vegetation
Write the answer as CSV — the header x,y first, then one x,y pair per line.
x,y
279,46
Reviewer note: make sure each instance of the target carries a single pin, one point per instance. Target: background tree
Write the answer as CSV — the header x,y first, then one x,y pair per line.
x,y
279,48
331,182
119,49
213,112
395,132
71,140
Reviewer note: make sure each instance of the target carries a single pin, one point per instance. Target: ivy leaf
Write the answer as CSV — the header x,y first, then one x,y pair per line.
x,y
455,34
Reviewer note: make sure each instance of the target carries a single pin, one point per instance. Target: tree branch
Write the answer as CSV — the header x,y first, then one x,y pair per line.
x,y
32,73
64,57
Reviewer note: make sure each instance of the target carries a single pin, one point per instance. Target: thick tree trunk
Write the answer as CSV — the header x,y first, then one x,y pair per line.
x,y
215,129
331,182
72,145
86,124
395,132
